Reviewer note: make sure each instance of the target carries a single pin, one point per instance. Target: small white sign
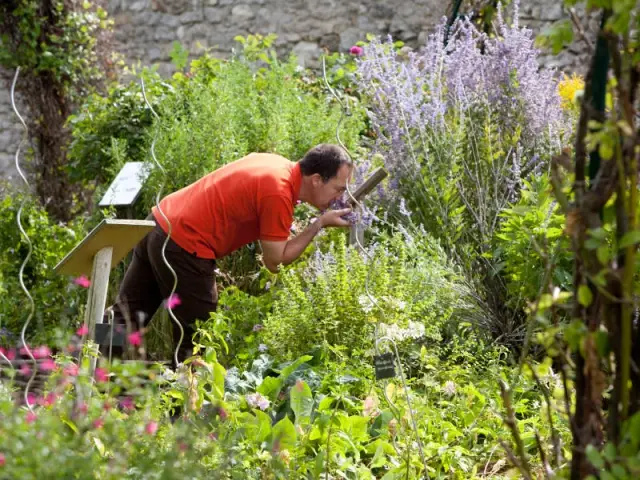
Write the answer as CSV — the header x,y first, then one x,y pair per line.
x,y
125,188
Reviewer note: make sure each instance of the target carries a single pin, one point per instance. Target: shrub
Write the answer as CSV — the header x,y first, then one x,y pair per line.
x,y
461,125
226,110
328,301
57,300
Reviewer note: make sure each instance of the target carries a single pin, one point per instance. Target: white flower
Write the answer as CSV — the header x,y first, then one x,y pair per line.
x,y
449,388
366,303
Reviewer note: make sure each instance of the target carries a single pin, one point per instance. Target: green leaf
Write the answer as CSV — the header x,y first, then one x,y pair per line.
x,y
301,402
179,55
593,455
176,394
629,239
288,370
263,422
284,433
99,446
585,297
219,374
70,424
556,36
270,387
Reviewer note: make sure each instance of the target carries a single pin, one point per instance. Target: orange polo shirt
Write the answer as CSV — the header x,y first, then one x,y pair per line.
x,y
244,201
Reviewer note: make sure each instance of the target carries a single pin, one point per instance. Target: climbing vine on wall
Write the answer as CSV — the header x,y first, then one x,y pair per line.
x,y
62,49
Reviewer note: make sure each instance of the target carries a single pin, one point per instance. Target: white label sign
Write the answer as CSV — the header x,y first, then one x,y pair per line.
x,y
125,188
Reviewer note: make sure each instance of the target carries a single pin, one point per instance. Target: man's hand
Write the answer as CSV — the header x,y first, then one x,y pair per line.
x,y
333,218
283,253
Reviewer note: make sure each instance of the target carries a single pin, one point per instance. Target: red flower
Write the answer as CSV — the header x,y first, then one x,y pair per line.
x,y
135,338
127,403
83,330
3,460
101,375
173,301
151,428
98,423
71,370
42,352
48,365
82,281
49,400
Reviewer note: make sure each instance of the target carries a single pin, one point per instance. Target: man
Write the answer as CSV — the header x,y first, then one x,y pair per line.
x,y
250,199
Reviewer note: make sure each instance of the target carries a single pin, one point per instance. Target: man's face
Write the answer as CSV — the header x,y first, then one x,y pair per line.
x,y
326,192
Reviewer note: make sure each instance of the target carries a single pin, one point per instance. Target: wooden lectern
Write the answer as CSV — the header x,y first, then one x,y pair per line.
x,y
95,256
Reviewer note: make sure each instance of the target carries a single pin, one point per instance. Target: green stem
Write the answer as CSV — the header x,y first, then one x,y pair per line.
x,y
627,285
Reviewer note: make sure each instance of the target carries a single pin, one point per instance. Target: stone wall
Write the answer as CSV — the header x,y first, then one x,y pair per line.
x,y
146,29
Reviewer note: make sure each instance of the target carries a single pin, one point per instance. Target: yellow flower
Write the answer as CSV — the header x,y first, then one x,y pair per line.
x,y
568,88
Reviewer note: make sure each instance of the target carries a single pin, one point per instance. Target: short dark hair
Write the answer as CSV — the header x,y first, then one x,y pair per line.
x,y
325,160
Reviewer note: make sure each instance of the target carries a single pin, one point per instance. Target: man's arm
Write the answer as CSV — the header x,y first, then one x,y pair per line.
x,y
283,253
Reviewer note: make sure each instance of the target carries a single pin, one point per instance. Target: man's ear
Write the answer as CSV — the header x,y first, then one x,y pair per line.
x,y
316,180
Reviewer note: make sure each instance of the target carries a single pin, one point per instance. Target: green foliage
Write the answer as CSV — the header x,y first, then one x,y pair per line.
x,y
231,108
530,240
59,41
111,129
328,301
57,300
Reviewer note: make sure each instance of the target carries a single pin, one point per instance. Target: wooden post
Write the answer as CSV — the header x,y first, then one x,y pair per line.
x,y
356,234
97,295
97,254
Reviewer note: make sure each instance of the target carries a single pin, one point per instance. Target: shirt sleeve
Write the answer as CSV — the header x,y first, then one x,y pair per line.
x,y
276,217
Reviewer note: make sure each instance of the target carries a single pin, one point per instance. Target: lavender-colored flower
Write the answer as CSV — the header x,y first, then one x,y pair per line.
x,y
258,327
341,203
425,104
256,400
262,348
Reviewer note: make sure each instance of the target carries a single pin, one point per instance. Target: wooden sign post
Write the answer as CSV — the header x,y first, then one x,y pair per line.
x,y
356,234
95,256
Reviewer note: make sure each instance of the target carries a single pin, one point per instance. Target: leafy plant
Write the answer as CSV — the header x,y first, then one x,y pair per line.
x,y
340,297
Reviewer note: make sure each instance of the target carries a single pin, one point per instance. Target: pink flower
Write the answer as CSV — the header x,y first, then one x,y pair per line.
x,y
25,370
127,403
48,365
83,330
135,338
30,417
10,354
356,50
3,460
83,408
42,352
183,447
106,406
82,281
71,370
48,400
98,423
173,301
101,375
24,351
31,399
151,428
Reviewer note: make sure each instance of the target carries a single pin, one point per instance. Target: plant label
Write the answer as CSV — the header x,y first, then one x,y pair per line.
x,y
385,366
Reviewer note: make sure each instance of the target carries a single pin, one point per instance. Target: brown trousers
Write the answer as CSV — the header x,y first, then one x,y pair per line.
x,y
148,282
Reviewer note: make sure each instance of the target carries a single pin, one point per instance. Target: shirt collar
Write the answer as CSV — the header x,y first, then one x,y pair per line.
x,y
296,181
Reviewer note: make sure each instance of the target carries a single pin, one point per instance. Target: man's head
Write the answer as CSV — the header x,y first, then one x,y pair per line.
x,y
325,172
